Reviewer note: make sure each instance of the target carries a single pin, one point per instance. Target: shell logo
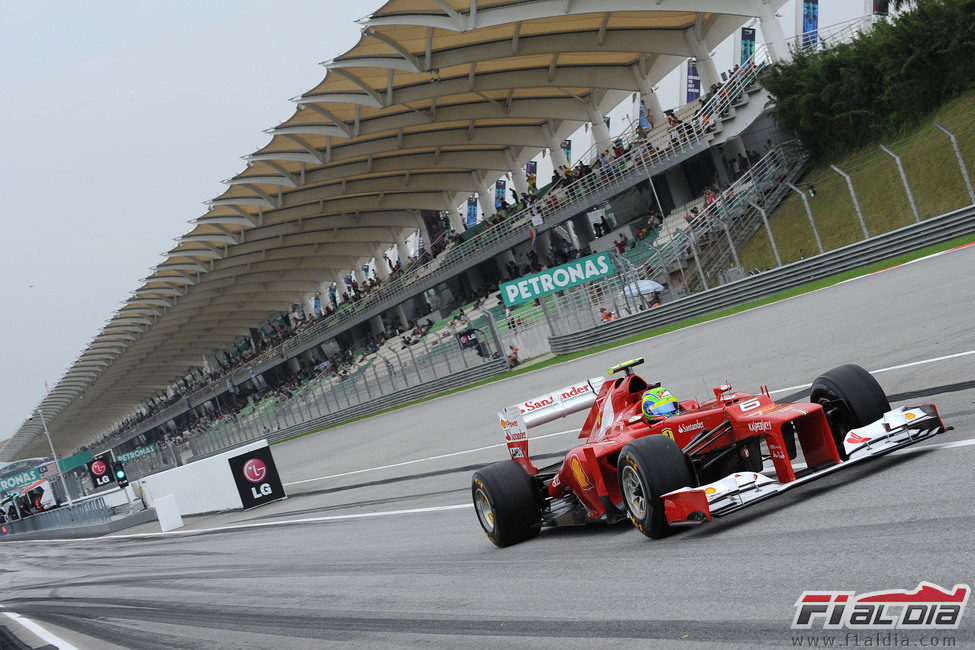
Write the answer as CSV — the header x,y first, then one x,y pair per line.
x,y
580,475
709,491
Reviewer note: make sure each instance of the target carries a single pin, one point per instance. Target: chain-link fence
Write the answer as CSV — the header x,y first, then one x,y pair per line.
x,y
882,189
465,345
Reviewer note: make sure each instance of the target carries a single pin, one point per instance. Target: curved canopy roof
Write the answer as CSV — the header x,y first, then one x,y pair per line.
x,y
437,100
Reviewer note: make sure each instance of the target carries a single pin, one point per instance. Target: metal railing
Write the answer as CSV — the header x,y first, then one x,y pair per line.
x,y
393,374
713,237
572,338
86,513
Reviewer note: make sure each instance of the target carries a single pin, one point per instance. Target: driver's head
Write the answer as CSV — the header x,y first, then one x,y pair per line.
x,y
658,403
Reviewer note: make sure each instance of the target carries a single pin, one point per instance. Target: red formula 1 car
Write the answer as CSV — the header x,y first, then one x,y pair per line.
x,y
707,460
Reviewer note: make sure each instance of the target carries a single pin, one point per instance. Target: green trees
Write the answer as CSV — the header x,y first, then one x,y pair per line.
x,y
854,94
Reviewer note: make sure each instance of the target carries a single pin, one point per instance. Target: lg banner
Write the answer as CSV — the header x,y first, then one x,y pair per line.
x,y
102,470
257,478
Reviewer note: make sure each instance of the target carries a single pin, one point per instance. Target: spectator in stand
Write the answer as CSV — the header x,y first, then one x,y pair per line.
x,y
620,243
676,128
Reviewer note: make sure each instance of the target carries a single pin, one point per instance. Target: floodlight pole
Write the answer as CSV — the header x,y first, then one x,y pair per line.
x,y
47,433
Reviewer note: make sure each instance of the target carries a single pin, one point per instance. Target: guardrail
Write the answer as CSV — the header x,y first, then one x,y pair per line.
x,y
205,447
906,239
86,513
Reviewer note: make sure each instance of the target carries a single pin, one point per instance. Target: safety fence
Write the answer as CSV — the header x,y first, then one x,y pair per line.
x,y
85,513
468,351
932,231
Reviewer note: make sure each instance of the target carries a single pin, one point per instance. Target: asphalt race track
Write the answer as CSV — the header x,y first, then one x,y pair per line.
x,y
378,544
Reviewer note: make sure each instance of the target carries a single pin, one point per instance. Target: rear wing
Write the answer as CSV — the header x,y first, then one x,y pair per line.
x,y
518,418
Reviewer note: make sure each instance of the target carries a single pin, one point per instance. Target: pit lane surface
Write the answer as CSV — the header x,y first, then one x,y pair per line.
x,y
345,560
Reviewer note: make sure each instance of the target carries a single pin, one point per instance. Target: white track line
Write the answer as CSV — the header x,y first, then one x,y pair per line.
x,y
938,445
789,389
422,460
364,515
562,433
39,631
253,524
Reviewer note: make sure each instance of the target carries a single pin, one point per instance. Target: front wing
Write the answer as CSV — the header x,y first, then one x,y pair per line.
x,y
896,429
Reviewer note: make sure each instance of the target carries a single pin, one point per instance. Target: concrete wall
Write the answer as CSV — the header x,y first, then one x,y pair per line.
x,y
202,486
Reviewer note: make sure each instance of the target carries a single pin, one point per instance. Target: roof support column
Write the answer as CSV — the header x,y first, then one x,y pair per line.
x,y
340,287
401,312
600,132
517,173
485,201
518,179
651,103
772,31
382,270
424,234
555,151
705,64
403,251
357,273
456,222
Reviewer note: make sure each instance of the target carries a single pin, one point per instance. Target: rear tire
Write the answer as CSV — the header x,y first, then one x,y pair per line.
x,y
852,398
506,503
648,468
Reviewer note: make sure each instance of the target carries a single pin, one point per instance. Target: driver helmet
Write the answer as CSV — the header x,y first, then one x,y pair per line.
x,y
659,403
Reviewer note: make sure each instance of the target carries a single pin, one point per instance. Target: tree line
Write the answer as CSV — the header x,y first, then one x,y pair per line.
x,y
888,79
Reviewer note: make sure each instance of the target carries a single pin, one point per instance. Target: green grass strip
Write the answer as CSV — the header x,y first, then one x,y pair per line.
x,y
664,329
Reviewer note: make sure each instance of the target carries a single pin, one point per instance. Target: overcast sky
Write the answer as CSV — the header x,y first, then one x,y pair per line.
x,y
119,119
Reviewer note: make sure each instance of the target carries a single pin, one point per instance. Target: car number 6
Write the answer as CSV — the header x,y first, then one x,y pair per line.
x,y
750,405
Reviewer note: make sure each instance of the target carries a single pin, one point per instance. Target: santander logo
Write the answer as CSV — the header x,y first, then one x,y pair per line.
x,y
255,470
549,400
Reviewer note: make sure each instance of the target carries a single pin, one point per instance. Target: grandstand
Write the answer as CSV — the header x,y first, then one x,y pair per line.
x,y
437,101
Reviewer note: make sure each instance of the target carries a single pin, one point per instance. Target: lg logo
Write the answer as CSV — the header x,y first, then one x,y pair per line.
x,y
254,471
100,474
256,478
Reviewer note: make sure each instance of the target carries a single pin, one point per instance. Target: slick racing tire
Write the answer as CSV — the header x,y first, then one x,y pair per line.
x,y
648,468
851,397
506,503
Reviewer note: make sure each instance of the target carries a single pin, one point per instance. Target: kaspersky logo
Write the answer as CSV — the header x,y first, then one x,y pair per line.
x,y
929,607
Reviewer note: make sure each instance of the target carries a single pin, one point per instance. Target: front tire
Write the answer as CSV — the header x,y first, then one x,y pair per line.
x,y
648,468
851,397
506,503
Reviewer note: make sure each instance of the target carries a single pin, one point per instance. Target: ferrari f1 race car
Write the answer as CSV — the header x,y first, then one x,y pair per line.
x,y
702,460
